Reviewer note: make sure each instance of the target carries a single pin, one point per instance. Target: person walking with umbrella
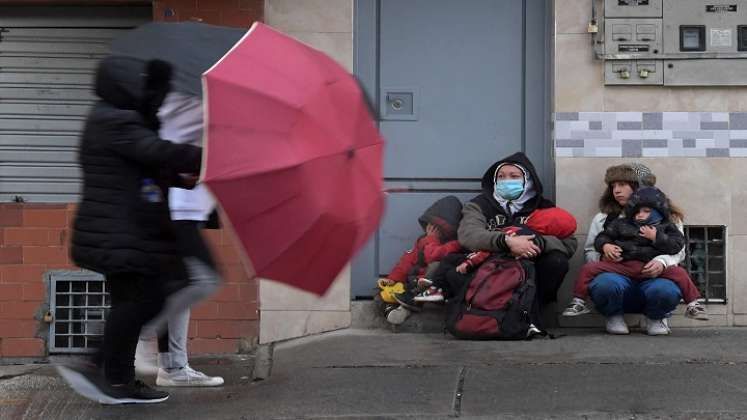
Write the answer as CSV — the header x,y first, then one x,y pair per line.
x,y
122,226
181,122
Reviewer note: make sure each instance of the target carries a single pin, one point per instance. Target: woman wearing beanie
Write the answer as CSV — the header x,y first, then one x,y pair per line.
x,y
614,294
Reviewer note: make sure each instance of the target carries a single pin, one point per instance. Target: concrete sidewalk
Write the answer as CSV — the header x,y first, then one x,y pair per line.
x,y
695,373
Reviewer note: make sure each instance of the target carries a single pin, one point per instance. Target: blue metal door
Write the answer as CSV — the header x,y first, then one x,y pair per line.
x,y
457,85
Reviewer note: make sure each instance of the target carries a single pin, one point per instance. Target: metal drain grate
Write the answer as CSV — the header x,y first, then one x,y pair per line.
x,y
78,302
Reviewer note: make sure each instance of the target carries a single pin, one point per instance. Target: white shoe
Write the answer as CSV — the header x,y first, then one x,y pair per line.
x,y
576,307
398,315
186,376
644,323
657,326
616,325
146,358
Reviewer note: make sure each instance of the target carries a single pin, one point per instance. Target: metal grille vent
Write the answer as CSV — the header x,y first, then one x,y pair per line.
x,y
706,261
78,302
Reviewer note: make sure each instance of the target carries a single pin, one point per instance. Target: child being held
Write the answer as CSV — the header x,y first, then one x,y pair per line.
x,y
630,242
552,221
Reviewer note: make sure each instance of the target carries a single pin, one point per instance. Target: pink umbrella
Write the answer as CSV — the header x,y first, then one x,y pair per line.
x,y
293,156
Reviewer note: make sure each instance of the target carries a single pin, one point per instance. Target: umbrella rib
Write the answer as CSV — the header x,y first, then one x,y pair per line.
x,y
230,175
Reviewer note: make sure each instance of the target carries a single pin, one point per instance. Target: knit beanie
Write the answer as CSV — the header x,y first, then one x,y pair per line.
x,y
630,172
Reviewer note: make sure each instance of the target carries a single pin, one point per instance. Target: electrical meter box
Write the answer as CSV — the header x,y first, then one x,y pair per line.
x,y
696,26
634,38
632,8
674,42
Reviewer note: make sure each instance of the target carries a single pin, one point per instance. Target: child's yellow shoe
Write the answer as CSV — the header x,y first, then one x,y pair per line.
x,y
388,292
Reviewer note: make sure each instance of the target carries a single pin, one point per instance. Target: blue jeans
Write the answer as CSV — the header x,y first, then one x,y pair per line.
x,y
615,294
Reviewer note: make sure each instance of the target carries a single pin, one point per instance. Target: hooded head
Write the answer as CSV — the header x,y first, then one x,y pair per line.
x,y
530,196
129,83
650,197
446,214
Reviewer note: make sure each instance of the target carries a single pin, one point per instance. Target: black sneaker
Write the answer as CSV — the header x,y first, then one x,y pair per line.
x,y
407,301
90,383
136,392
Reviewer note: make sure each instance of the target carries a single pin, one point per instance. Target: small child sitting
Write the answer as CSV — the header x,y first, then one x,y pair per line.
x,y
644,233
552,221
440,222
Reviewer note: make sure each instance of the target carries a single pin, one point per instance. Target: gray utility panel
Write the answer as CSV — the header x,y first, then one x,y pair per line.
x,y
692,42
457,85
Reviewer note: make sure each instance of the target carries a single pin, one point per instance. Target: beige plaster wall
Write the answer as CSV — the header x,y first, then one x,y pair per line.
x,y
286,312
709,189
579,78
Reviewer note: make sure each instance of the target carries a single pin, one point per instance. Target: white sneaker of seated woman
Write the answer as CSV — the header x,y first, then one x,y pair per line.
x,y
616,325
657,326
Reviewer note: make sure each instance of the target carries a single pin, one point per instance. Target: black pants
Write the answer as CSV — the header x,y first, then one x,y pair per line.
x,y
191,244
550,269
135,300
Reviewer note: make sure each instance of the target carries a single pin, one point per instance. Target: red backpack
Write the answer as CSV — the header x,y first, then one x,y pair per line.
x,y
498,303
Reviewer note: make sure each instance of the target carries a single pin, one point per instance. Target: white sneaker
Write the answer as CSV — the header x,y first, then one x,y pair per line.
x,y
657,326
186,376
616,325
398,315
644,323
576,307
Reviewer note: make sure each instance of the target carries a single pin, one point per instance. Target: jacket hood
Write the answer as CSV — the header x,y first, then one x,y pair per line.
x,y
130,83
520,159
446,213
648,197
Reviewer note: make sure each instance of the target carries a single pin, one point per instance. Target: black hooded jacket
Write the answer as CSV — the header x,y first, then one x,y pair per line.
x,y
483,217
118,228
624,231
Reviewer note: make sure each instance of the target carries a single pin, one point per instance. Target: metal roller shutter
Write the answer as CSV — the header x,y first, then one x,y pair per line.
x,y
47,61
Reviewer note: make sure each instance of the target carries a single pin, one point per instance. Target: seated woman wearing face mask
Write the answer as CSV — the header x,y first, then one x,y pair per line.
x,y
511,192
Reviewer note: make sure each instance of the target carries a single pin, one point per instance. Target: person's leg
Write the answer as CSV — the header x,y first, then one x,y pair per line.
x,y
172,345
591,270
550,269
679,276
173,361
135,300
447,278
203,278
661,297
612,294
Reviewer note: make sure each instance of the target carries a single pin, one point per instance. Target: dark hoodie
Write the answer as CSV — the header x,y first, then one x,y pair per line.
x,y
445,214
483,217
116,229
624,231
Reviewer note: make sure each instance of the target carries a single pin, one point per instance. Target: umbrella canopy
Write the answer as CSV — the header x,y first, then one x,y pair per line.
x,y
293,156
190,47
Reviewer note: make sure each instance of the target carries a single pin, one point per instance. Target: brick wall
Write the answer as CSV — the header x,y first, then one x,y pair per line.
x,y
34,238
239,13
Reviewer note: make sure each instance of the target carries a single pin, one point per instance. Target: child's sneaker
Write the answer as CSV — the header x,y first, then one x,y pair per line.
x,y
407,300
696,310
576,307
424,283
397,315
432,294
